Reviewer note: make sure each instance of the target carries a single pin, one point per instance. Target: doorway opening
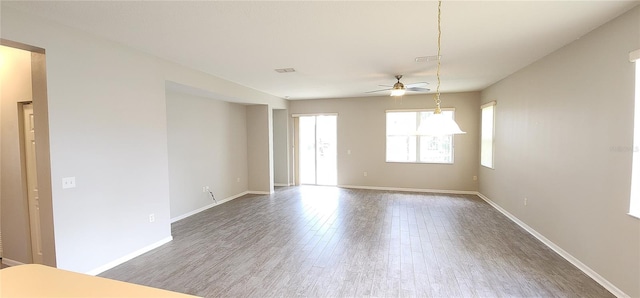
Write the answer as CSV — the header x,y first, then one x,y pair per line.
x,y
30,169
317,149
26,213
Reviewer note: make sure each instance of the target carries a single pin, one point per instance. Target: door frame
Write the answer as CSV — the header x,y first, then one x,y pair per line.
x,y
41,122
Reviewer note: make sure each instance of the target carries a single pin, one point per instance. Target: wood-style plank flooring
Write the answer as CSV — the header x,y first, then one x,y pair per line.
x,y
329,242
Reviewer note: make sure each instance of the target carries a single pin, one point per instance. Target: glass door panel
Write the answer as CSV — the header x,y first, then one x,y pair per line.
x,y
318,150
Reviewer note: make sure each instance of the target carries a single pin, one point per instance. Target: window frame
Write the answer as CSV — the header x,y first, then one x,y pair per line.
x,y
492,105
418,136
634,195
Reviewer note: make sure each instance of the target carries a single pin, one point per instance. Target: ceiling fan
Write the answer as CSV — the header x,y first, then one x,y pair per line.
x,y
398,89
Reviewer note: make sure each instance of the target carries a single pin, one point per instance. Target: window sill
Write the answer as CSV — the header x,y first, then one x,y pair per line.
x,y
636,216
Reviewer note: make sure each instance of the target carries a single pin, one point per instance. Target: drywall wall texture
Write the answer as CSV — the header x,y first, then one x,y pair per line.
x,y
280,147
207,141
194,82
107,122
362,131
15,80
259,151
108,129
564,129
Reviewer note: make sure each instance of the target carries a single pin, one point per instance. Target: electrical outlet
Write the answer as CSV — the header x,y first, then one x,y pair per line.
x,y
525,201
365,174
475,178
206,188
152,217
69,182
238,179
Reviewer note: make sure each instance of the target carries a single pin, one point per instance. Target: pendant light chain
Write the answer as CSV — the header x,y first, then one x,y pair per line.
x,y
439,124
436,97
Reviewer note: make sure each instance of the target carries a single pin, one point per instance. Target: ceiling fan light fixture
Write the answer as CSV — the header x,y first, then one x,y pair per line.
x,y
397,92
398,88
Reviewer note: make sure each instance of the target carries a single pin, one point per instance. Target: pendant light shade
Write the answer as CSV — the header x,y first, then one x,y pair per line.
x,y
439,125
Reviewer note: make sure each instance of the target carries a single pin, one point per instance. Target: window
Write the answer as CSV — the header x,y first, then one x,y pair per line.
x,y
634,205
487,134
404,144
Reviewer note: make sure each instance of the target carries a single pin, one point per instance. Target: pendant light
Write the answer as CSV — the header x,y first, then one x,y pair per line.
x,y
439,124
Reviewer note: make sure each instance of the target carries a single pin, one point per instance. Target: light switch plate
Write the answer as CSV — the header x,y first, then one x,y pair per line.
x,y
69,182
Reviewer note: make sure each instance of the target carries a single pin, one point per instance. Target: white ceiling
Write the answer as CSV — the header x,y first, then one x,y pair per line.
x,y
339,48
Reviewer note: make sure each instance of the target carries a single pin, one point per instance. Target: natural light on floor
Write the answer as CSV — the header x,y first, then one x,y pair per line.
x,y
319,200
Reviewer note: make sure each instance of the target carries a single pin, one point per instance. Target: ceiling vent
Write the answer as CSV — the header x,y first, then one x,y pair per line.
x,y
426,58
285,70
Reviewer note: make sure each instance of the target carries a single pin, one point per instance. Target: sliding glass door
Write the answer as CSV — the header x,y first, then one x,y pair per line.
x,y
317,149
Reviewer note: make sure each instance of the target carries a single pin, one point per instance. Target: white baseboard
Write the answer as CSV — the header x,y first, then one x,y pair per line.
x,y
253,192
128,257
588,271
281,184
459,192
183,216
10,262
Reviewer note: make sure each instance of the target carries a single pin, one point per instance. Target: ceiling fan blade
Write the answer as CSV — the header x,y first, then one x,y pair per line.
x,y
389,86
418,89
417,84
377,90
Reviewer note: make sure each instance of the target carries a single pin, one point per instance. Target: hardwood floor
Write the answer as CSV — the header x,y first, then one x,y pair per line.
x,y
328,242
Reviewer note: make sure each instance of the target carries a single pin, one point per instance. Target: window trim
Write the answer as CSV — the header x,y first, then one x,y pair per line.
x,y
634,56
634,194
453,155
493,134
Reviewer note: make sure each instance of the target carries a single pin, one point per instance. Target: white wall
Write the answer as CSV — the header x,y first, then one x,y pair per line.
x,y
361,129
15,87
281,147
259,151
207,147
562,126
194,82
108,128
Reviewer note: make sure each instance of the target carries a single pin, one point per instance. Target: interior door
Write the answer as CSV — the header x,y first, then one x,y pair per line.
x,y
32,182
